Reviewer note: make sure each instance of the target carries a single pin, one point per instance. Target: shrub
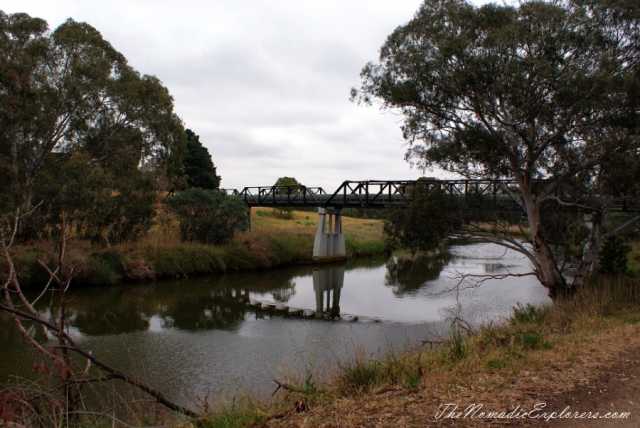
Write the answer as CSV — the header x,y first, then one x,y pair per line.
x,y
526,314
612,259
208,216
105,268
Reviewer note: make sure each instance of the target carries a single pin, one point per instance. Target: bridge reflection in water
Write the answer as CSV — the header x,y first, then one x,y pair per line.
x,y
329,282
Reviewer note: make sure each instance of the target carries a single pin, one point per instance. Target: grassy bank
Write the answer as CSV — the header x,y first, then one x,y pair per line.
x,y
538,354
274,241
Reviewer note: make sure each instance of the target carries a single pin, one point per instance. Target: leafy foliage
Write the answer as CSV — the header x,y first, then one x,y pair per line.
x,y
102,204
197,164
286,213
208,216
287,181
424,224
75,114
612,259
543,93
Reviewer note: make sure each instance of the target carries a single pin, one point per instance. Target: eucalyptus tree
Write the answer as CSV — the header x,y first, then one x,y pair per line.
x,y
543,93
285,183
68,94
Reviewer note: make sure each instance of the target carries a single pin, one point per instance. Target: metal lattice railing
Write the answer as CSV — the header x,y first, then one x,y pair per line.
x,y
380,194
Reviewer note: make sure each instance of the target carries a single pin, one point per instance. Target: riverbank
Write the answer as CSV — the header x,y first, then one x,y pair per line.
x,y
273,242
556,356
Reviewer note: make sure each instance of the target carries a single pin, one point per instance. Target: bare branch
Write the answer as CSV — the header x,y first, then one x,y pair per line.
x,y
513,196
621,229
569,204
46,287
504,241
479,279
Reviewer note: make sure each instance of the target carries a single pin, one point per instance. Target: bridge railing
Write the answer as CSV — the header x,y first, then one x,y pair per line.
x,y
282,196
381,193
370,193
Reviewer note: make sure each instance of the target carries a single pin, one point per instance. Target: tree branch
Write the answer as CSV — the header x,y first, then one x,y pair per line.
x,y
620,229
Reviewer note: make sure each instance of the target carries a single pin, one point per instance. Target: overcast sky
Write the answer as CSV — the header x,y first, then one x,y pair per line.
x,y
264,83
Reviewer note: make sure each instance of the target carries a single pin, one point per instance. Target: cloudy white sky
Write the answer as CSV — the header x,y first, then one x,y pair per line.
x,y
264,83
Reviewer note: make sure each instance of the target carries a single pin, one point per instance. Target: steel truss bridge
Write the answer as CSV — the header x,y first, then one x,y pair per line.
x,y
381,194
329,242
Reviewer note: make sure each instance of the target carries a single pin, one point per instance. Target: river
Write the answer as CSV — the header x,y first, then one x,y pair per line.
x,y
206,337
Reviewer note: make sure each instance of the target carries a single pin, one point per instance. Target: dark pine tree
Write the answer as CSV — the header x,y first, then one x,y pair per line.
x,y
197,164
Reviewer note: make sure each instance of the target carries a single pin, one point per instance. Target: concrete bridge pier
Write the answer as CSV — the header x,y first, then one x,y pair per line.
x,y
328,245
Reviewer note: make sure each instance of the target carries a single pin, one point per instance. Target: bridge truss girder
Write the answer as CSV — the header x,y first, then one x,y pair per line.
x,y
381,193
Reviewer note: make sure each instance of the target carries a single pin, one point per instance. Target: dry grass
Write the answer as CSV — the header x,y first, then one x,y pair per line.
x,y
268,219
362,236
634,259
274,241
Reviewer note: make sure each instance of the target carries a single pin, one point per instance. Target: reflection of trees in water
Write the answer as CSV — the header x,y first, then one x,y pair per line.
x,y
106,310
496,267
264,281
284,292
408,274
110,320
215,302
118,310
10,335
221,308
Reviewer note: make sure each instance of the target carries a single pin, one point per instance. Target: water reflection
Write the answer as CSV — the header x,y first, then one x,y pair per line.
x,y
221,302
116,310
329,282
203,331
374,289
408,274
220,308
284,293
191,304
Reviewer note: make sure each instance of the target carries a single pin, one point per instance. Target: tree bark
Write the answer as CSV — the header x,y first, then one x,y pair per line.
x,y
589,254
547,273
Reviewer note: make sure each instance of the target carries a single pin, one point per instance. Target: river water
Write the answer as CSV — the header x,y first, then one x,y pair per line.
x,y
220,335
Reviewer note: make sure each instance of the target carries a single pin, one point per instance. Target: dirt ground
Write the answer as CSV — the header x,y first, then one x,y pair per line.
x,y
616,389
603,377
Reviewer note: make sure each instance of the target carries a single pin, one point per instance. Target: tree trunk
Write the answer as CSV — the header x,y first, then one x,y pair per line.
x,y
589,254
547,273
24,231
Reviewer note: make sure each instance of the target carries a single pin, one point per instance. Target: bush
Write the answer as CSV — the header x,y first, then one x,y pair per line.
x,y
105,268
184,260
526,314
612,259
208,216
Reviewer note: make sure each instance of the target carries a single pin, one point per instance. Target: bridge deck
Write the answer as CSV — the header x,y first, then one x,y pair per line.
x,y
381,194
